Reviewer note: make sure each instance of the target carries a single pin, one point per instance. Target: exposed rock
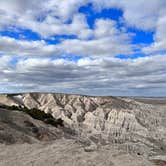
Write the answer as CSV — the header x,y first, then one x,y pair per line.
x,y
159,160
18,127
90,148
130,124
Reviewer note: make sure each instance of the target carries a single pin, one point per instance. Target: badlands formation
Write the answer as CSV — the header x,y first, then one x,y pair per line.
x,y
96,131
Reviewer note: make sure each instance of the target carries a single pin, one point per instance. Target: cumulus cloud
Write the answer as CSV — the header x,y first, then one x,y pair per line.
x,y
100,72
140,14
88,76
54,14
12,46
109,40
62,18
143,14
106,40
47,19
159,38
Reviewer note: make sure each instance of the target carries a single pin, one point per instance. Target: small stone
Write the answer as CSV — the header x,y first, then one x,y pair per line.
x,y
90,148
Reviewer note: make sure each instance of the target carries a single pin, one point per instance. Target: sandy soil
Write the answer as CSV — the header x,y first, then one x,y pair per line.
x,y
66,153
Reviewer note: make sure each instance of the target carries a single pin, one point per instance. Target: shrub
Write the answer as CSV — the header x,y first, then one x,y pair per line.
x,y
37,114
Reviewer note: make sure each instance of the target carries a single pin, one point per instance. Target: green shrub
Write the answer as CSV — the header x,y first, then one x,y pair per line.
x,y
36,114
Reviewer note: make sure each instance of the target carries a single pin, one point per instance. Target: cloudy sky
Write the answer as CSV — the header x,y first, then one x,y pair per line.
x,y
94,47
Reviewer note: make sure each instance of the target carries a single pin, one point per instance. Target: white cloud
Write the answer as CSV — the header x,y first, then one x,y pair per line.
x,y
100,72
159,38
142,76
106,40
53,14
100,47
53,26
143,14
140,14
46,18
49,18
20,47
4,62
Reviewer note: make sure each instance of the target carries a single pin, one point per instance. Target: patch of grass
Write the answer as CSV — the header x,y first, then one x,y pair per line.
x,y
36,114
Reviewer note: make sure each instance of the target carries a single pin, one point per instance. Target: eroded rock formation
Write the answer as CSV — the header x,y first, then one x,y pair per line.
x,y
131,125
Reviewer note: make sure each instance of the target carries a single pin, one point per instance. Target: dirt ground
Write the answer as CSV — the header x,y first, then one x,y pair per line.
x,y
66,152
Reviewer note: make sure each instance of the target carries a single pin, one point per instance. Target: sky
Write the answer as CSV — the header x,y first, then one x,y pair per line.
x,y
92,47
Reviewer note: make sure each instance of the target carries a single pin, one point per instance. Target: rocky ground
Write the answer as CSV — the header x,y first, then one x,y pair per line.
x,y
97,131
65,152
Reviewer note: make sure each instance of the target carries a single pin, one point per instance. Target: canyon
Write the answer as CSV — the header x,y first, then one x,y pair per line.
x,y
98,130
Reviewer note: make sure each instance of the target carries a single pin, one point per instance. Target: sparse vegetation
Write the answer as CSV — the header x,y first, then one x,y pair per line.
x,y
36,114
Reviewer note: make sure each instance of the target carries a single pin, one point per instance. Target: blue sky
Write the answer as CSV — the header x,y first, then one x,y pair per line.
x,y
139,36
95,47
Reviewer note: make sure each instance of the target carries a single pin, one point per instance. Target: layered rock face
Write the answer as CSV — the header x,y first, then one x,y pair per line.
x,y
131,125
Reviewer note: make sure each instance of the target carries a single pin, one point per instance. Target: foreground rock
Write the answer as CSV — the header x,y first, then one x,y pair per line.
x,y
18,127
